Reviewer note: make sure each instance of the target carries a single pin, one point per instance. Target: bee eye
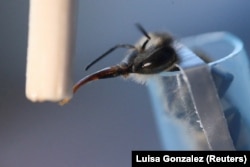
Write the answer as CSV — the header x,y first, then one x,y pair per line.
x,y
159,60
146,65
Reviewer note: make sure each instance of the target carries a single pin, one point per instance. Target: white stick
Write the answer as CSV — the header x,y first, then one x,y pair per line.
x,y
50,49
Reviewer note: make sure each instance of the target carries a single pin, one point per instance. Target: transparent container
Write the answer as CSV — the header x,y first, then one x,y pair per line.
x,y
175,110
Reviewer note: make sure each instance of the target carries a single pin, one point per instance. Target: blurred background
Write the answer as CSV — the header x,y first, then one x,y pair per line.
x,y
108,118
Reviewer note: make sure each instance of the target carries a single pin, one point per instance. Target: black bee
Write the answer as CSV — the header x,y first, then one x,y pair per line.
x,y
152,54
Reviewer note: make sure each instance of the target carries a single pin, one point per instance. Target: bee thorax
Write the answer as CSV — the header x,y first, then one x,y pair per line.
x,y
140,78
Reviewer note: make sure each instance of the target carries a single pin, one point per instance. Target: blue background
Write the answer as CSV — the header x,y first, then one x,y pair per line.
x,y
108,118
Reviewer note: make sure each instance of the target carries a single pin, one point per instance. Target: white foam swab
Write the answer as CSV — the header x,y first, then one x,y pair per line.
x,y
51,41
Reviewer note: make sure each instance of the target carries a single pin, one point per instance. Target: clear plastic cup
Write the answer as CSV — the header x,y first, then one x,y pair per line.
x,y
174,109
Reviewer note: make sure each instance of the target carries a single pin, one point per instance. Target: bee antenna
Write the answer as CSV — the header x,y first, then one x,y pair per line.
x,y
108,52
142,30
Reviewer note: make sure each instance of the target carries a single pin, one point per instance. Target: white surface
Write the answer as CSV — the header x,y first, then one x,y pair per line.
x,y
50,50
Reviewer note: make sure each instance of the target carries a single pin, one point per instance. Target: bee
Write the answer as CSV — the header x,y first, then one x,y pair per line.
x,y
152,54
